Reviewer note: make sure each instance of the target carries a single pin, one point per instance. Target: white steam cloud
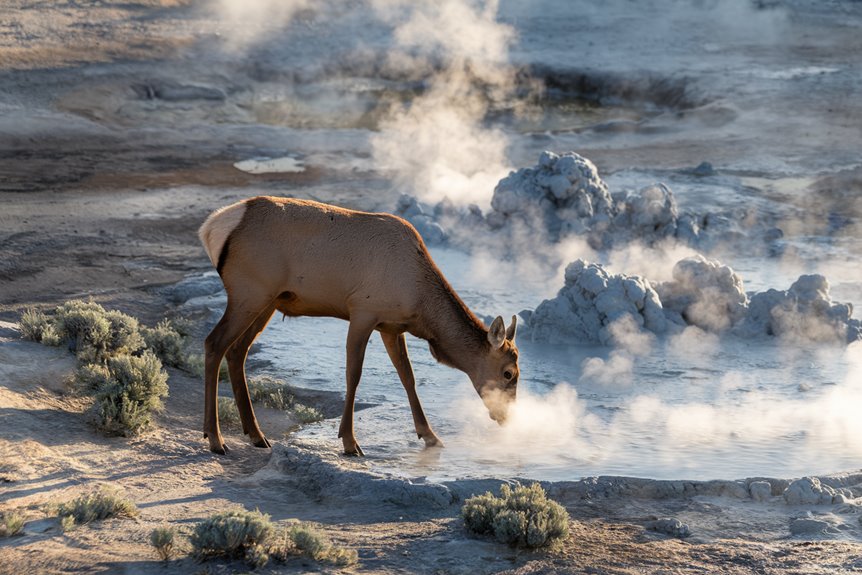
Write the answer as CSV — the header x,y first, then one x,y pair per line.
x,y
436,145
742,423
247,21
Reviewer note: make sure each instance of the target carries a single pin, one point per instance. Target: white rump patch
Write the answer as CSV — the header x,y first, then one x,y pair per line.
x,y
218,226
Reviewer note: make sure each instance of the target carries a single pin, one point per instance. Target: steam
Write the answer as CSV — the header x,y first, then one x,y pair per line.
x,y
248,21
561,424
436,145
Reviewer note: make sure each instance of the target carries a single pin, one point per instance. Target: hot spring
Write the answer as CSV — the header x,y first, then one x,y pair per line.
x,y
691,406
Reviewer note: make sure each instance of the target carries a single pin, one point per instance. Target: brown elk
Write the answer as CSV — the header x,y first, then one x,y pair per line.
x,y
305,258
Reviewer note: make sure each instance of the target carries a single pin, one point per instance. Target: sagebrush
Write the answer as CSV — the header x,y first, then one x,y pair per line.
x,y
270,391
305,540
94,334
306,414
166,342
95,506
254,538
11,523
127,389
162,538
521,517
235,534
228,414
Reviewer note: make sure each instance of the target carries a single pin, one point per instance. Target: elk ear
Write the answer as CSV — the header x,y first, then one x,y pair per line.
x,y
510,331
497,333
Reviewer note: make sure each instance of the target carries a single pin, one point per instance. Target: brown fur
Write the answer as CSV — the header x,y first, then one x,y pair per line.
x,y
305,258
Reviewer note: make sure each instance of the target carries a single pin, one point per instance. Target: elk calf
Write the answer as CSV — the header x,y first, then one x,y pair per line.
x,y
305,258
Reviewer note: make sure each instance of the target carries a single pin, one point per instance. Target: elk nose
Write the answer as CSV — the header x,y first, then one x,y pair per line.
x,y
498,416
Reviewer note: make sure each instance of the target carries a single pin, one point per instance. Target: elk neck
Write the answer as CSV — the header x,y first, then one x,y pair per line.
x,y
456,336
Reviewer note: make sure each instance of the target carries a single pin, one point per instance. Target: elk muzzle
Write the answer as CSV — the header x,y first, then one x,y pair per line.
x,y
498,401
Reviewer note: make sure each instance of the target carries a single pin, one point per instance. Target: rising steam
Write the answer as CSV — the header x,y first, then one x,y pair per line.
x,y
437,145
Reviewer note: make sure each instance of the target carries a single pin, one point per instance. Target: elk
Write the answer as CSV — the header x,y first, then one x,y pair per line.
x,y
305,258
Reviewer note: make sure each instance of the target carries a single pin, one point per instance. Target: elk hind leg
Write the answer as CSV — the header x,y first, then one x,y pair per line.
x,y
236,357
239,315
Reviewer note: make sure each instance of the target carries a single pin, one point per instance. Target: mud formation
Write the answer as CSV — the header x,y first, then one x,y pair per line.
x,y
702,293
591,301
563,196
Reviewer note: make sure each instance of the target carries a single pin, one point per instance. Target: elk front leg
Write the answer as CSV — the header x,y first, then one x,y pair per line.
x,y
238,317
396,347
236,357
357,339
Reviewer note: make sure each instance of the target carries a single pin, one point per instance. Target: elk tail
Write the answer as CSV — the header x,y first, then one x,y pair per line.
x,y
216,230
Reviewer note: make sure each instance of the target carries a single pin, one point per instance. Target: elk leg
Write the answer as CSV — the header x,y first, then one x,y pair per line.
x,y
357,339
236,357
396,346
238,317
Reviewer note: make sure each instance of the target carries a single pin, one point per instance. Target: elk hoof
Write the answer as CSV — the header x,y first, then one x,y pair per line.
x,y
357,451
220,449
433,441
262,442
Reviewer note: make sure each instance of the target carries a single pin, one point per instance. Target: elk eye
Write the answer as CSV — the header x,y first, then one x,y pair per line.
x,y
507,374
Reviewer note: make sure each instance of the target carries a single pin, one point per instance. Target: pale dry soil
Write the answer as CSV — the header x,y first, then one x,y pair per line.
x,y
94,205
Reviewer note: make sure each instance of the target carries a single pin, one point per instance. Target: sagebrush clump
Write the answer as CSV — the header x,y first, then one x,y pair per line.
x,y
228,414
162,538
128,390
521,517
306,540
166,342
94,334
11,523
306,414
234,534
253,537
95,506
122,359
270,391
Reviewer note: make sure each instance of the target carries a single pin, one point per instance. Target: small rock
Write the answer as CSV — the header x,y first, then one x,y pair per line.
x,y
808,491
704,169
760,490
669,526
809,526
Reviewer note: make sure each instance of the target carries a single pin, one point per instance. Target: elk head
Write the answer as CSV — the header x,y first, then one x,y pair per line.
x,y
496,376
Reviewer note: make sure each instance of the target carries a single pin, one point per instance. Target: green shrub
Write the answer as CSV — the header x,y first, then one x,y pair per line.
x,y
270,391
33,324
125,336
127,390
162,538
306,414
86,329
522,516
95,334
166,342
67,523
308,541
11,523
96,506
234,534
195,364
228,414
256,556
